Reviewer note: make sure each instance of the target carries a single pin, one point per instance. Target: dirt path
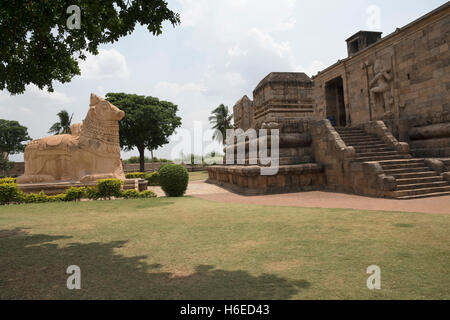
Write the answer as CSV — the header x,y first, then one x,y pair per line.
x,y
317,199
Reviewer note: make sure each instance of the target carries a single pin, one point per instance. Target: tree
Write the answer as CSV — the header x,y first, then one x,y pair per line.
x,y
63,125
221,120
39,43
148,122
12,134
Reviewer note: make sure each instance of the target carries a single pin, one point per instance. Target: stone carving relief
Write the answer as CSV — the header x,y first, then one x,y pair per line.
x,y
381,86
91,152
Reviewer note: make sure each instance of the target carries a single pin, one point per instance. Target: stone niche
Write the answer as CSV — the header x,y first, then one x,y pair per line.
x,y
283,97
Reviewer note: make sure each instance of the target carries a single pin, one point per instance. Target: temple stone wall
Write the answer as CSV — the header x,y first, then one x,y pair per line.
x,y
243,114
403,79
283,96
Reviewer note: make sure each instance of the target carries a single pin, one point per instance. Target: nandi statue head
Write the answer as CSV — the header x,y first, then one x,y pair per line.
x,y
91,152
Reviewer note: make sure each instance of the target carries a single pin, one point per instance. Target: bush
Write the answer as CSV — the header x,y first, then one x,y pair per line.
x,y
8,193
136,175
7,180
173,179
108,188
147,194
153,179
133,194
91,193
129,194
75,194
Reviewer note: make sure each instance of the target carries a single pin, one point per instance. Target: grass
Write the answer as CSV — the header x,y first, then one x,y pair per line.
x,y
198,175
187,248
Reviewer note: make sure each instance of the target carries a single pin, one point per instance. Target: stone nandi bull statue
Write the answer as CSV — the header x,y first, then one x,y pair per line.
x,y
91,152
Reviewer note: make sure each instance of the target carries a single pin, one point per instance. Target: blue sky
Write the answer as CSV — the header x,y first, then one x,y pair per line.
x,y
220,52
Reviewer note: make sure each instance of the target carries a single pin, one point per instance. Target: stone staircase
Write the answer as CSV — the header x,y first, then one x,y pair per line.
x,y
413,177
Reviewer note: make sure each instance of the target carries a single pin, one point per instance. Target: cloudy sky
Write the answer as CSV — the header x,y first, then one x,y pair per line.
x,y
220,52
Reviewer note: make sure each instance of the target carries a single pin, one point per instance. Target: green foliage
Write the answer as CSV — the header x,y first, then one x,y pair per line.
x,y
8,193
38,47
91,193
108,188
75,194
147,194
5,164
136,175
12,134
63,125
148,122
221,120
153,178
129,194
173,179
136,159
7,180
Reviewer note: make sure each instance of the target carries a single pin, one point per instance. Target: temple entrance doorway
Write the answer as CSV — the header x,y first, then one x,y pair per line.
x,y
334,94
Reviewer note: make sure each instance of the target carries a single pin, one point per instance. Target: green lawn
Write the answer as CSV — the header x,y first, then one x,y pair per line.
x,y
198,175
187,248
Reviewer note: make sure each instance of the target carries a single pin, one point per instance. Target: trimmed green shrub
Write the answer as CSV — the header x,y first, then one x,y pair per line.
x,y
153,179
147,194
91,193
129,194
136,175
8,193
173,179
108,188
7,180
133,194
75,194
57,197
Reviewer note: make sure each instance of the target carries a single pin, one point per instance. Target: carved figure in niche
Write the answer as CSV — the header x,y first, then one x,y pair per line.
x,y
381,86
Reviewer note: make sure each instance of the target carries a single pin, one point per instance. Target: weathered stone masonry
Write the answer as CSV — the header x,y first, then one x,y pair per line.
x,y
375,123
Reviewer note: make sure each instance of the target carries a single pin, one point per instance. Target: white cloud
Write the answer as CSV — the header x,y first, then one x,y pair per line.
x,y
106,65
235,79
192,12
236,51
54,97
312,69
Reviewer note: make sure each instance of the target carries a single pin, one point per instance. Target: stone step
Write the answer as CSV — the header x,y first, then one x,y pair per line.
x,y
348,129
381,158
401,161
366,140
420,196
422,174
376,149
403,166
419,180
405,170
377,153
363,145
354,135
420,192
429,185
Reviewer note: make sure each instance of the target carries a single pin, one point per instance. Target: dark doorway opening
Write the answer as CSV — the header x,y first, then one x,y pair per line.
x,y
334,94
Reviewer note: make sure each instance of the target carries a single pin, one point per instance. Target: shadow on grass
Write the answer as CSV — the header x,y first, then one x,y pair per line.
x,y
32,267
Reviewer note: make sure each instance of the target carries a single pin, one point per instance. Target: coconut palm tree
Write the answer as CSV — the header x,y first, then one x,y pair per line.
x,y
63,125
221,120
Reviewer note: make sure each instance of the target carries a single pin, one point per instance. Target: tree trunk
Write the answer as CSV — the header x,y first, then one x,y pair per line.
x,y
153,160
141,159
